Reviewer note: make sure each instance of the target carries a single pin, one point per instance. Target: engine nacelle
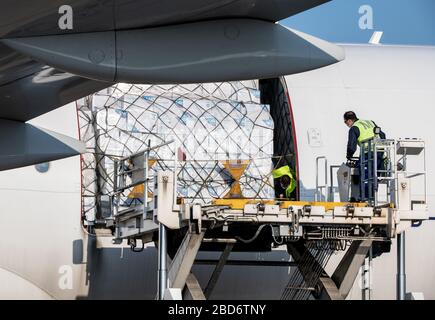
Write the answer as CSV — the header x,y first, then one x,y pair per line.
x,y
207,51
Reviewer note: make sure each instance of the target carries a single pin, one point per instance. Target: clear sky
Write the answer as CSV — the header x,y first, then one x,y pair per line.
x,y
402,21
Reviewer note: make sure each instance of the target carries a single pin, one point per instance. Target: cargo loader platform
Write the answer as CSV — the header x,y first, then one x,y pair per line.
x,y
312,231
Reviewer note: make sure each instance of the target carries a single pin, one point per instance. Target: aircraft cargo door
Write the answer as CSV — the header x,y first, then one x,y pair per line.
x,y
274,93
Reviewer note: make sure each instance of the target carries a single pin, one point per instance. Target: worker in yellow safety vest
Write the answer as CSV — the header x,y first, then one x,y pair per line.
x,y
359,131
362,130
285,182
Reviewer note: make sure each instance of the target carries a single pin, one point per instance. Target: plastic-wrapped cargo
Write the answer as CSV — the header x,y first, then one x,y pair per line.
x,y
211,122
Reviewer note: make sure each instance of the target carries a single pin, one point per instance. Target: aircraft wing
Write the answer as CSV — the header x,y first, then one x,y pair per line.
x,y
23,18
29,88
44,66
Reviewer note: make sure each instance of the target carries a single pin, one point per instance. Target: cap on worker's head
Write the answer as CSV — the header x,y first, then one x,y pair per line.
x,y
350,115
285,181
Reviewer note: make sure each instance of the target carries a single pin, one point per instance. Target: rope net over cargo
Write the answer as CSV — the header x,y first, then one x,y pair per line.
x,y
224,131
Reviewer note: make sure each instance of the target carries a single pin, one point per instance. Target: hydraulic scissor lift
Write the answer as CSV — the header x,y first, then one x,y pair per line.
x,y
294,223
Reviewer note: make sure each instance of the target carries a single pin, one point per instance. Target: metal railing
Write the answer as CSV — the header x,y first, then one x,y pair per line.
x,y
321,189
131,172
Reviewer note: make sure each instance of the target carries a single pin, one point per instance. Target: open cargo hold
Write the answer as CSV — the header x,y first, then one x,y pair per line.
x,y
213,123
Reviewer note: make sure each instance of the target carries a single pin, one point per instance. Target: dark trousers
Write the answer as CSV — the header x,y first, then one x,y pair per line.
x,y
364,174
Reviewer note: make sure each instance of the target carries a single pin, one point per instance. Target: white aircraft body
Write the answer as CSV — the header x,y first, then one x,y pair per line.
x,y
47,254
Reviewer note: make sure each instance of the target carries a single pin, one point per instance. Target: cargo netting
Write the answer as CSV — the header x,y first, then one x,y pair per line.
x,y
218,127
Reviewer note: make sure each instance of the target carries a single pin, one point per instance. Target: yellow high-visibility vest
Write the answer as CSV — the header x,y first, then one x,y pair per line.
x,y
366,130
285,171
